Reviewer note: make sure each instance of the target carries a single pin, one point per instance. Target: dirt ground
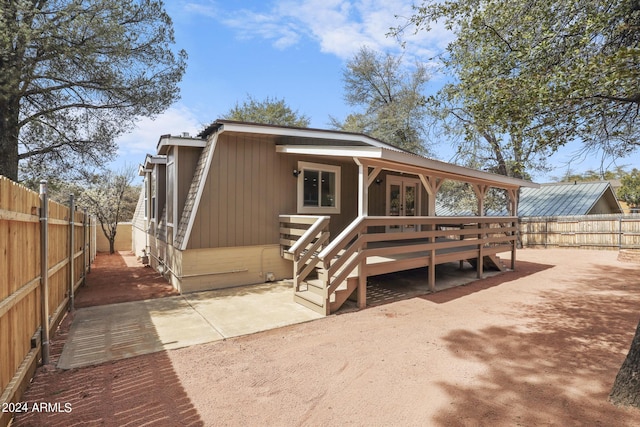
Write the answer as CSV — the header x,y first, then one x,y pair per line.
x,y
120,278
539,346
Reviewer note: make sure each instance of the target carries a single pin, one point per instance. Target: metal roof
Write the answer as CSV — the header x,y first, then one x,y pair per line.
x,y
577,198
561,199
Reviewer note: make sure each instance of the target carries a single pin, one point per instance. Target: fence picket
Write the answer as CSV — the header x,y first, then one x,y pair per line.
x,y
610,232
20,279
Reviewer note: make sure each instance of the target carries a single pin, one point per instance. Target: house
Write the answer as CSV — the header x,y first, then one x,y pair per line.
x,y
246,203
569,199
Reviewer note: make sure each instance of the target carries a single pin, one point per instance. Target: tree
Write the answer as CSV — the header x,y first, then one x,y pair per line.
x,y
111,198
392,99
626,387
269,111
629,192
484,141
560,70
557,70
75,75
593,175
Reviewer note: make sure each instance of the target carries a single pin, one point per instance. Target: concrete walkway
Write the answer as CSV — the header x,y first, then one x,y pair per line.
x,y
117,331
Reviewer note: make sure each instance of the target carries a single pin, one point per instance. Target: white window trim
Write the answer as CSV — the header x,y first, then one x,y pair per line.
x,y
318,209
174,187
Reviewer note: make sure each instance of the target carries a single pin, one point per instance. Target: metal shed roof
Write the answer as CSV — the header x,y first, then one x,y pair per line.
x,y
561,199
577,198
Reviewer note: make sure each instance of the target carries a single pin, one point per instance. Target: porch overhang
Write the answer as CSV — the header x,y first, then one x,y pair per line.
x,y
400,161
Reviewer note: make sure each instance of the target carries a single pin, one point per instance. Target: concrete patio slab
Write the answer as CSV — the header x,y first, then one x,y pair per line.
x,y
250,309
118,331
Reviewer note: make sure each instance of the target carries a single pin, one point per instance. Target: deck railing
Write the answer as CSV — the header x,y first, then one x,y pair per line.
x,y
363,246
377,245
302,237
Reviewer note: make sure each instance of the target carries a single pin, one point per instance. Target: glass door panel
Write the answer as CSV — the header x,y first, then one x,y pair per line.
x,y
403,199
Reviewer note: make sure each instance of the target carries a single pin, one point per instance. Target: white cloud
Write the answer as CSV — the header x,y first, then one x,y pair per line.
x,y
143,140
340,27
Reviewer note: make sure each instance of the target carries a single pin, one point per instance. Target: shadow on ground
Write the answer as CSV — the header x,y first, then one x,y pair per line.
x,y
567,357
136,391
451,283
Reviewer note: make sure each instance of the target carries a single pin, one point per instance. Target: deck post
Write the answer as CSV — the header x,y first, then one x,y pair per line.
x,y
513,208
362,284
431,185
514,245
480,251
432,270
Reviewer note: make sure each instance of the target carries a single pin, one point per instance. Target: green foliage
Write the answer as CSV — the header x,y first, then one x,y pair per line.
x,y
74,75
532,76
460,199
269,111
630,190
391,96
592,175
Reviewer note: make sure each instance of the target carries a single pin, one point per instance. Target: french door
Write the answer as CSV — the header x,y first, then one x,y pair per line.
x,y
403,199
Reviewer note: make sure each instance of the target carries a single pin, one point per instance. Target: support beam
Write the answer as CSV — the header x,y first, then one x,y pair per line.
x,y
432,184
481,192
363,187
373,175
513,201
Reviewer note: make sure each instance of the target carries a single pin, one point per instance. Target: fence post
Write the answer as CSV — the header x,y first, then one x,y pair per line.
x,y
72,246
44,270
620,232
84,247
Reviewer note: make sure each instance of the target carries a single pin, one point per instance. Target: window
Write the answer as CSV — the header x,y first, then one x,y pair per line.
x,y
146,196
318,188
171,180
154,189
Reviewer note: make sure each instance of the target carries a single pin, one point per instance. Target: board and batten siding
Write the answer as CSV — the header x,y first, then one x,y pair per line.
x,y
249,185
187,159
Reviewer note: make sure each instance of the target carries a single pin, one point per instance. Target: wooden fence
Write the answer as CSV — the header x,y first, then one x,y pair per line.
x,y
28,227
587,232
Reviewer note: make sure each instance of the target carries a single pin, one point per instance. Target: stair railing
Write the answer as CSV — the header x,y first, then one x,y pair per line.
x,y
304,250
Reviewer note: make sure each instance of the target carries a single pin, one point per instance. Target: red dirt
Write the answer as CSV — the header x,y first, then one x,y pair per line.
x,y
120,277
540,346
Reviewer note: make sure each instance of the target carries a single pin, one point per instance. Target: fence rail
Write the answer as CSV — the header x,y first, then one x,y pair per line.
x,y
611,232
37,260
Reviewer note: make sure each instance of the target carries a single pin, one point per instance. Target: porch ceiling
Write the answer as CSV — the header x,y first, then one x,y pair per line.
x,y
410,163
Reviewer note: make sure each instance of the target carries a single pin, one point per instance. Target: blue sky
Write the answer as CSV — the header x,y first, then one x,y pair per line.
x,y
291,49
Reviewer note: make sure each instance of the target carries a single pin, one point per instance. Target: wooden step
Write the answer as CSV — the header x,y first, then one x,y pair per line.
x,y
494,261
490,262
311,300
317,286
344,291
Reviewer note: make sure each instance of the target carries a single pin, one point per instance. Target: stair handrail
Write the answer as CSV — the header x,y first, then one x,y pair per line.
x,y
341,240
308,236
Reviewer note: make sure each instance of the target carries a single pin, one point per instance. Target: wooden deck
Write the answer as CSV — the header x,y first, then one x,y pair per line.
x,y
362,250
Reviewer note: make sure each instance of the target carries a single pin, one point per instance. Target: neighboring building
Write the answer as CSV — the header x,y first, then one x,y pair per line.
x,y
569,199
245,203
